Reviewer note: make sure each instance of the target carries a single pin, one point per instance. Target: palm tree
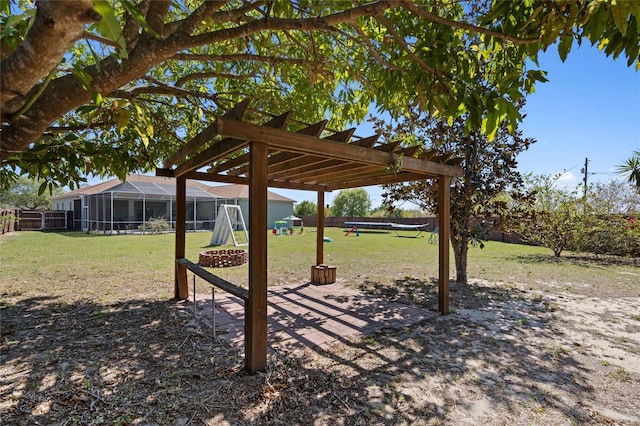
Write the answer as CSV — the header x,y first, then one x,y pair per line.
x,y
630,169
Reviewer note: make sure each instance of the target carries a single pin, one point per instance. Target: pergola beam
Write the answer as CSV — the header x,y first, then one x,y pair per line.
x,y
218,150
237,112
303,144
381,180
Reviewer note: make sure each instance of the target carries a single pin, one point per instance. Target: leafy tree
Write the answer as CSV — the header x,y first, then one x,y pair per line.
x,y
609,224
385,211
630,169
105,87
613,198
351,203
557,216
27,194
305,208
478,204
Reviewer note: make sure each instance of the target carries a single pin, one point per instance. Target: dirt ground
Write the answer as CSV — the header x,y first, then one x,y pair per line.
x,y
508,354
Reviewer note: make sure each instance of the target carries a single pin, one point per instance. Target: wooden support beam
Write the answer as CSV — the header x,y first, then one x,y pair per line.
x,y
410,151
367,142
444,222
255,318
320,230
338,173
181,284
314,130
216,151
214,279
236,113
277,122
427,155
441,158
388,147
279,139
289,162
374,180
213,177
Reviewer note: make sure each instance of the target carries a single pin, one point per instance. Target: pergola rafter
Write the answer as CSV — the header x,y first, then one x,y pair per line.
x,y
268,155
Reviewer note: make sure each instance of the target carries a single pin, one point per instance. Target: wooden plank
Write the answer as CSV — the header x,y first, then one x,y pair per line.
x,y
427,155
320,230
214,279
455,161
216,151
336,173
164,172
255,328
224,165
367,142
312,130
444,223
306,160
389,147
279,139
292,163
277,122
214,177
375,180
237,112
181,284
441,158
410,151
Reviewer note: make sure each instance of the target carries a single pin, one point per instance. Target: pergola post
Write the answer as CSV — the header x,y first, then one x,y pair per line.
x,y
255,308
444,223
320,230
182,286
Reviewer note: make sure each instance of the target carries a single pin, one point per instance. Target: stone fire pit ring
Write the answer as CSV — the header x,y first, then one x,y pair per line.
x,y
223,258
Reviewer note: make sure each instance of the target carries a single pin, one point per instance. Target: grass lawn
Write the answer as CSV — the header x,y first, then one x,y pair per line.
x,y
90,334
109,268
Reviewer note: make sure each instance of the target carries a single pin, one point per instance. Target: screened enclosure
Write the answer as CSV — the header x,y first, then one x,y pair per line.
x,y
135,206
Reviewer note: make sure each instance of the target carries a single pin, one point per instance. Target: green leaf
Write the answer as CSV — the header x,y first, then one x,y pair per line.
x,y
109,26
122,119
620,12
97,98
42,188
5,6
564,47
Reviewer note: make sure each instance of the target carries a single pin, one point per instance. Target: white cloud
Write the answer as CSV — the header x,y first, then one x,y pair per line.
x,y
567,178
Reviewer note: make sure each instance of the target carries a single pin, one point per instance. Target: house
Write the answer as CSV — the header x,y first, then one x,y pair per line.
x,y
116,206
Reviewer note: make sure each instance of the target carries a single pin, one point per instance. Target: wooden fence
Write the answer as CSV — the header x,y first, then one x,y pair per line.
x,y
431,223
25,220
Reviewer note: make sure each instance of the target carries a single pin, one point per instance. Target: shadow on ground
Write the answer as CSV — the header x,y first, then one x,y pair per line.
x,y
584,260
149,362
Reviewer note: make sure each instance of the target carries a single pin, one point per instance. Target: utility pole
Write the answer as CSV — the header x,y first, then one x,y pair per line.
x,y
586,174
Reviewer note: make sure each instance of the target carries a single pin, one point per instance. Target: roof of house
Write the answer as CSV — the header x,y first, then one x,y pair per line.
x,y
165,186
242,192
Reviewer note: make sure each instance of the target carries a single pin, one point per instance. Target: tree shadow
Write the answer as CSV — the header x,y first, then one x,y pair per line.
x,y
583,259
150,362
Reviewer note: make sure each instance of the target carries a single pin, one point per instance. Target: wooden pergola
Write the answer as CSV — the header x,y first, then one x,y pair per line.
x,y
269,155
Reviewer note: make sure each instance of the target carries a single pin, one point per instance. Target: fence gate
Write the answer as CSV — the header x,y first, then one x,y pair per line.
x,y
50,220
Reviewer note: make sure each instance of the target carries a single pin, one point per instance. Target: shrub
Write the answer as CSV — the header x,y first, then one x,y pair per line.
x,y
156,225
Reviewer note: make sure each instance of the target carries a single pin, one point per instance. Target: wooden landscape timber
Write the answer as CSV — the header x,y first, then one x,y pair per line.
x,y
269,155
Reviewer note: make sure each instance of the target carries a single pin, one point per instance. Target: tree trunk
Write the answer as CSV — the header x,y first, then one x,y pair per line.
x,y
56,26
460,252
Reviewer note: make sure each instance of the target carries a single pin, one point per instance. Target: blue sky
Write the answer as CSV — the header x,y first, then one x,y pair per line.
x,y
590,108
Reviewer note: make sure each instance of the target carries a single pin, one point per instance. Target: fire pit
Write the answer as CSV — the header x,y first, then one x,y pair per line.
x,y
223,258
